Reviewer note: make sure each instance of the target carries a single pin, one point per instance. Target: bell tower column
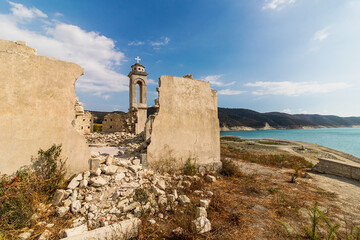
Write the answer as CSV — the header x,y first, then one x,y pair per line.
x,y
138,106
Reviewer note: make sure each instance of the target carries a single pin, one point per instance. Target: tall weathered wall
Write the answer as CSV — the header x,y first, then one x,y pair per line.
x,y
37,99
187,124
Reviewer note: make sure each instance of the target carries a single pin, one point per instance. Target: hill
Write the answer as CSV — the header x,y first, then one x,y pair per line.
x,y
237,118
245,119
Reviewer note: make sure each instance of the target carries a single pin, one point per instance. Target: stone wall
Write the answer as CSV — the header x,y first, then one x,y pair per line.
x,y
186,125
37,99
84,123
338,168
116,122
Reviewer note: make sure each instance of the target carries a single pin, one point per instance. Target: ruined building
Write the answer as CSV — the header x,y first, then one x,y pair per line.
x,y
186,125
84,120
117,122
37,100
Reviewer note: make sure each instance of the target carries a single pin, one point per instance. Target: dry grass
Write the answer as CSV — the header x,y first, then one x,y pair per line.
x,y
273,160
248,205
28,192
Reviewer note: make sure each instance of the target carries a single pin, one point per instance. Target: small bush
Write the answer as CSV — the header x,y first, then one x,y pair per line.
x,y
141,196
318,220
20,194
97,127
229,168
190,167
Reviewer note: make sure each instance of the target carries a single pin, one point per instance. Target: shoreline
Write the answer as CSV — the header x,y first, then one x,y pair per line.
x,y
268,127
290,145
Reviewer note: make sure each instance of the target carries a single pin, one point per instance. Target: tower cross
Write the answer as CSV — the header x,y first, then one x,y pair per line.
x,y
137,59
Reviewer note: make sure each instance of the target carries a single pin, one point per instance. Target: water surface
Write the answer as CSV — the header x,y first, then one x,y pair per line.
x,y
343,139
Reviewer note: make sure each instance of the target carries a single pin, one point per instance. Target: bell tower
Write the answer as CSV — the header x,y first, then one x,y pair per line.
x,y
137,95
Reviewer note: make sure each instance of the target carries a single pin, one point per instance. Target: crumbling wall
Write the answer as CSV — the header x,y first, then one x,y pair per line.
x,y
84,120
116,122
186,125
338,168
37,99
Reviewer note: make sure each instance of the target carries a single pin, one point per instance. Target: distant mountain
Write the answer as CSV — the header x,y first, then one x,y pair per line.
x,y
245,119
238,118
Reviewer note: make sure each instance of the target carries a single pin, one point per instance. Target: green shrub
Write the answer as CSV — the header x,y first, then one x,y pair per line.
x,y
20,194
141,196
229,168
97,127
319,218
190,167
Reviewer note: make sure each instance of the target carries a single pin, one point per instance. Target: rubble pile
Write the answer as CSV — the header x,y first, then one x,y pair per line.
x,y
108,139
121,189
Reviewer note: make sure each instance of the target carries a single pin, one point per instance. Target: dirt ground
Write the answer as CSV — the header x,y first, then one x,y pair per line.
x,y
255,201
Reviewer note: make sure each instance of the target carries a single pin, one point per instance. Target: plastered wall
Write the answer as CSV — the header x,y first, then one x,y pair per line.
x,y
187,124
37,98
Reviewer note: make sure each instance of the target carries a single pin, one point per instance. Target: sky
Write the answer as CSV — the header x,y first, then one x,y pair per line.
x,y
292,56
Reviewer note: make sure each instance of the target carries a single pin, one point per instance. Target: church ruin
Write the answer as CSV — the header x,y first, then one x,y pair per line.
x,y
39,108
37,102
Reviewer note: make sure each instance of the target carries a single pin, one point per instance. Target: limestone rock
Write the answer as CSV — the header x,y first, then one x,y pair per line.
x,y
162,201
97,172
126,229
210,178
83,183
98,181
119,177
61,211
73,184
161,184
201,212
25,235
45,235
70,232
201,225
184,200
75,206
204,203
78,177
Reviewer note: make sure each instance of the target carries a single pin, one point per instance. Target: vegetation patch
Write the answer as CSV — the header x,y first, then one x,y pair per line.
x,y
97,127
266,142
273,160
232,139
190,167
22,193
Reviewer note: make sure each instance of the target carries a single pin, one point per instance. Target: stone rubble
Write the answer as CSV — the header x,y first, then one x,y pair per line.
x,y
120,189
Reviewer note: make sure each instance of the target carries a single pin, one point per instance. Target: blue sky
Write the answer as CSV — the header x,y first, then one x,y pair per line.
x,y
294,56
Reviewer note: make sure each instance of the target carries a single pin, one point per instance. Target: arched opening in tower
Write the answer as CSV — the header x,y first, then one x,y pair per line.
x,y
139,92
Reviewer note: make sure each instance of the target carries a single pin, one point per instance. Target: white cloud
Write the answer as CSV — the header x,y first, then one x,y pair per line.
x,y
21,11
58,14
295,88
152,82
321,34
230,92
288,111
94,52
214,80
162,42
277,4
136,43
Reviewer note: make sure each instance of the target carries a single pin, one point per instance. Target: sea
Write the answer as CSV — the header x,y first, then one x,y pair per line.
x,y
343,139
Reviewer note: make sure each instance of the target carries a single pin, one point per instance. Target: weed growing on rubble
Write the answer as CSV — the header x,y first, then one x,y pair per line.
x,y
21,193
319,219
190,167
